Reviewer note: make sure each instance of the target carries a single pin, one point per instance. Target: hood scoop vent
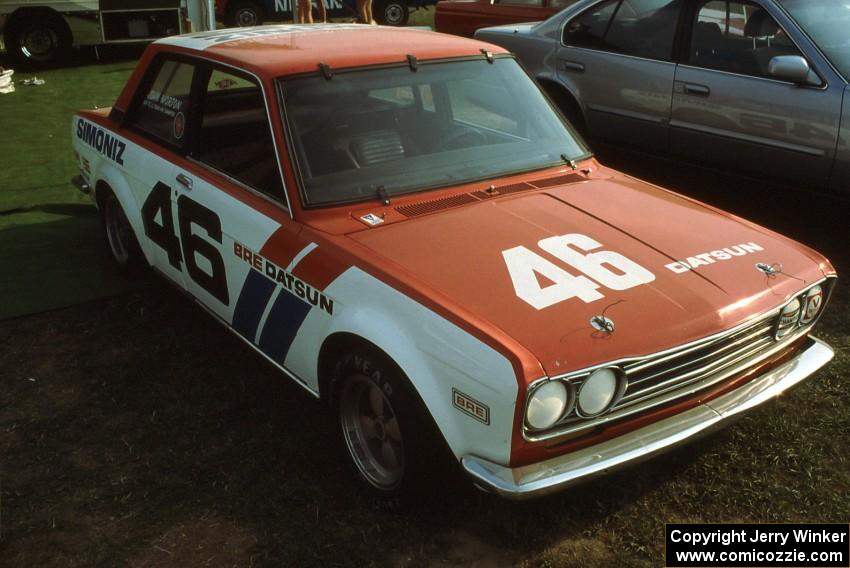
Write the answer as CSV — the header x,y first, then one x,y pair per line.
x,y
423,207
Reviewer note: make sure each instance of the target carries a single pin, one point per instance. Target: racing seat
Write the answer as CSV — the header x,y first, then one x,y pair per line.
x,y
376,147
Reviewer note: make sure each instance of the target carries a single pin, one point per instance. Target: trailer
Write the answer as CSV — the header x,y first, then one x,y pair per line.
x,y
41,33
255,12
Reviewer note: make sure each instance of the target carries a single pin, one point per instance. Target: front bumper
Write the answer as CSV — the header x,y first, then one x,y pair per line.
x,y
563,471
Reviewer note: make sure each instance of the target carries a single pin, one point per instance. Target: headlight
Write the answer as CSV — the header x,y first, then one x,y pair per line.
x,y
547,405
599,391
812,303
788,318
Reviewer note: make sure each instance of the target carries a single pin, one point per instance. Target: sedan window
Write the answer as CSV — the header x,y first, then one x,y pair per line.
x,y
162,105
642,28
826,22
738,37
235,138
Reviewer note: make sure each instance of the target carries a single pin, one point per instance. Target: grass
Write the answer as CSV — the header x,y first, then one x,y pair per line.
x,y
49,233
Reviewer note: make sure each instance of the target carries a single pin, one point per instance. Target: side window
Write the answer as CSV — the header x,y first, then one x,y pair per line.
x,y
537,3
642,28
739,37
235,137
162,112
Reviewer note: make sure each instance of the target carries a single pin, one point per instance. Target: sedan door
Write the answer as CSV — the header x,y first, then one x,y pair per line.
x,y
729,108
617,59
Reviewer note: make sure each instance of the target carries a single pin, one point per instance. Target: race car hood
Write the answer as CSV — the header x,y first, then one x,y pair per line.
x,y
690,271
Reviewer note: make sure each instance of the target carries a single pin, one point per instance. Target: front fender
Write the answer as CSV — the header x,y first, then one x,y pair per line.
x,y
436,355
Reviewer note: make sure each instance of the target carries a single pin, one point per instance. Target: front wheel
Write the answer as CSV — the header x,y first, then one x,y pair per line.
x,y
392,12
384,427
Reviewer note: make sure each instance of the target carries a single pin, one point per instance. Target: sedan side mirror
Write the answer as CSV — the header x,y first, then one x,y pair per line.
x,y
793,68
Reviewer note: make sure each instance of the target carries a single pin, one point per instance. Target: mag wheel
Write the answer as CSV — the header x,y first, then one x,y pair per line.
x,y
387,434
371,432
122,242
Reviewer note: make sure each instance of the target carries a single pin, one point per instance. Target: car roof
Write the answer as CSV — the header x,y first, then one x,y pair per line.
x,y
287,49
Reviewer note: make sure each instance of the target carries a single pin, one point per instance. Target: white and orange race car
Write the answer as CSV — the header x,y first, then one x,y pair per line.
x,y
402,223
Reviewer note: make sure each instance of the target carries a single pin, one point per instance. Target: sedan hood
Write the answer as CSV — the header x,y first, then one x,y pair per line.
x,y
692,269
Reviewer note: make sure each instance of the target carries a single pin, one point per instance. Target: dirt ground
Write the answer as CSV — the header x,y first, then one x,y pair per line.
x,y
135,431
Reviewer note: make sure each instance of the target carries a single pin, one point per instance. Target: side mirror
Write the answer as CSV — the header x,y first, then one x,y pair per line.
x,y
791,68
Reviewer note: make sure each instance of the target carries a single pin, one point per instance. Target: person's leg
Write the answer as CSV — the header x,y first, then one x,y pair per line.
x,y
361,11
369,18
323,12
306,9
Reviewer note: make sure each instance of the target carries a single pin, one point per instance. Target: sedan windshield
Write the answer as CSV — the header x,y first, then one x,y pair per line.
x,y
827,23
374,133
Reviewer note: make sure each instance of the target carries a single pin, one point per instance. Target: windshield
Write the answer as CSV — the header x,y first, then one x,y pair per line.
x,y
827,23
380,132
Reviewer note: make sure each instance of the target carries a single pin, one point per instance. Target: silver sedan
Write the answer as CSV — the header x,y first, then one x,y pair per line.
x,y
759,85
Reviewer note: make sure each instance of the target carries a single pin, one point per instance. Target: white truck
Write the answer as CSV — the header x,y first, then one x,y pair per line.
x,y
40,33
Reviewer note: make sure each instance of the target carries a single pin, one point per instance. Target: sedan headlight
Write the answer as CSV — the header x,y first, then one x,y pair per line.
x,y
600,391
812,304
546,405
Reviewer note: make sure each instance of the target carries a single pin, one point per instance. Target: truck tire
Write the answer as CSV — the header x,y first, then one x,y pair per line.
x,y
243,13
37,40
391,12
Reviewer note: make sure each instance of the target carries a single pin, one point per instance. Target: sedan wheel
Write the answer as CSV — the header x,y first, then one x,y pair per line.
x,y
371,432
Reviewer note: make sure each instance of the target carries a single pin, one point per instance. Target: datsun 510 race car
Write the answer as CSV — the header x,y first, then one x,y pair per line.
x,y
405,226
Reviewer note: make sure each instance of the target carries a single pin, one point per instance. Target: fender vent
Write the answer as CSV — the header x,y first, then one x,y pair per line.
x,y
557,180
423,207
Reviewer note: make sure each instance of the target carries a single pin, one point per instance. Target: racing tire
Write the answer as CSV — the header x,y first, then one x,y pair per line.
x,y
37,40
392,12
386,434
243,13
120,239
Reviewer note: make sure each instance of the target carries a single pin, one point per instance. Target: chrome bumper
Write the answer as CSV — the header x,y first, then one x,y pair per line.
x,y
563,471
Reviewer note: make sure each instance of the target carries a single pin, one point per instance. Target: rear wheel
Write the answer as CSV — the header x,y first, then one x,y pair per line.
x,y
392,12
37,40
120,238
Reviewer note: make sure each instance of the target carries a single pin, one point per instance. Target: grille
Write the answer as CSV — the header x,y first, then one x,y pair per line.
x,y
670,375
656,376
423,207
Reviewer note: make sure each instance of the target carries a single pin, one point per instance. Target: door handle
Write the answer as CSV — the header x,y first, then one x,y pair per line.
x,y
185,181
574,66
699,90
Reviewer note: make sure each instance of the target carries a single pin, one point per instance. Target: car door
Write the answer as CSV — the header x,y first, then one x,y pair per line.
x,y
617,59
728,107
159,115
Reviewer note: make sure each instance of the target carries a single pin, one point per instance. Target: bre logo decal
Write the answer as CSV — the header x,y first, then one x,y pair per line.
x,y
469,405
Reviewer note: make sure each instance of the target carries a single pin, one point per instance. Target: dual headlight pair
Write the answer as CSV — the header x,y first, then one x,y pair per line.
x,y
593,396
801,311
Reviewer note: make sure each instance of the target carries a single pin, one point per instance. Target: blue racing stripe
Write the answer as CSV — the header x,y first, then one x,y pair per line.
x,y
283,322
252,302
